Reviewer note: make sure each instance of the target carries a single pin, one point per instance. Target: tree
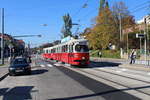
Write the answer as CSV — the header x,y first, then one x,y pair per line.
x,y
66,30
102,5
106,28
120,13
104,31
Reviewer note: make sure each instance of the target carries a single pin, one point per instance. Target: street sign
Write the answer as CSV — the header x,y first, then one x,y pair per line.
x,y
140,35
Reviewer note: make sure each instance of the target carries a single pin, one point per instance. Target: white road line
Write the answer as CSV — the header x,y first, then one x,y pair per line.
x,y
57,64
49,65
123,69
42,65
34,69
118,71
67,65
148,73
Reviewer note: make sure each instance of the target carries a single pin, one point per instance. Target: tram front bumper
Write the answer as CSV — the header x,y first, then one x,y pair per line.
x,y
81,62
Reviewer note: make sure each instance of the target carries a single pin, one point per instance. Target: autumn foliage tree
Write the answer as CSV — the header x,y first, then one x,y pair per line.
x,y
106,29
103,32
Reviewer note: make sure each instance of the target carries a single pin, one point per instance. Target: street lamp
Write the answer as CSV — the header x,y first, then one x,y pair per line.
x,y
2,38
120,28
27,36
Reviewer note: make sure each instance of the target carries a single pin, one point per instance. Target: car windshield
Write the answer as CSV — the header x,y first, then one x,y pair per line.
x,y
81,48
19,61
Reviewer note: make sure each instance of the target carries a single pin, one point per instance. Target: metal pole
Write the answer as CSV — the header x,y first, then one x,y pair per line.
x,y
2,38
120,26
10,52
127,46
140,47
145,43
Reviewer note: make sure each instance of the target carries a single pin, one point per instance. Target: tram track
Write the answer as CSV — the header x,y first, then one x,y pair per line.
x,y
125,86
123,76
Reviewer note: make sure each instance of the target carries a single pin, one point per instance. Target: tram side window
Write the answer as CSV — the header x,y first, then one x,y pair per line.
x,y
63,49
71,48
46,51
59,49
54,50
81,48
66,48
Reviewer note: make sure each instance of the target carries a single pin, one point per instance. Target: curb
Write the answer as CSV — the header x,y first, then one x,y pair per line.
x,y
4,76
135,67
5,73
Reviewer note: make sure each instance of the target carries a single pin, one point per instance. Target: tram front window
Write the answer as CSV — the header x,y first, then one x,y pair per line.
x,y
81,48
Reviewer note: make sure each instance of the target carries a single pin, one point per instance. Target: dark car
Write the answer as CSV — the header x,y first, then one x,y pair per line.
x,y
19,65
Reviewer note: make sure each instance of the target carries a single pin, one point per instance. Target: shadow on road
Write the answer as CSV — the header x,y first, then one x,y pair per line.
x,y
33,72
39,71
94,64
17,93
107,94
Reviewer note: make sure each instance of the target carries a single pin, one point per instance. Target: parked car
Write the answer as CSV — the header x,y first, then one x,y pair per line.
x,y
19,65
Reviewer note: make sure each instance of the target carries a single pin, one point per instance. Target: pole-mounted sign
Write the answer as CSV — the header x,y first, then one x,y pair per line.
x,y
139,35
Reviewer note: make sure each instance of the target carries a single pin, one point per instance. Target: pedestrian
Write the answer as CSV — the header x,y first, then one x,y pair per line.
x,y
133,56
100,54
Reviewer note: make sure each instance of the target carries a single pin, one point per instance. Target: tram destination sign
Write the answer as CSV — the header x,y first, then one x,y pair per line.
x,y
140,35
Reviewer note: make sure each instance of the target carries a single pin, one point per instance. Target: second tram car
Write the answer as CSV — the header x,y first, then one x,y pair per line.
x,y
74,52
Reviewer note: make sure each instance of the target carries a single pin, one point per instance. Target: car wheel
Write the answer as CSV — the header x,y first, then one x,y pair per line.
x,y
29,72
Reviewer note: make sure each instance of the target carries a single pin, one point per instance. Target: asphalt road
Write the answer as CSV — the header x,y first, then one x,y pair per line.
x,y
49,81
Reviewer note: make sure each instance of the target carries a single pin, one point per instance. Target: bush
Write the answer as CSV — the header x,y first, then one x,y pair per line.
x,y
106,53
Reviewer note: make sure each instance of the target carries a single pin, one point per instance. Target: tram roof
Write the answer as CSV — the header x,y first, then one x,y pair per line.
x,y
65,43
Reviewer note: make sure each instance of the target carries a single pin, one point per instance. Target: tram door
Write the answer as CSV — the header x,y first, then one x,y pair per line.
x,y
70,55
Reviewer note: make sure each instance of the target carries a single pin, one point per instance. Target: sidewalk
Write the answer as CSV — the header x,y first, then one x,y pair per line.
x,y
3,71
124,63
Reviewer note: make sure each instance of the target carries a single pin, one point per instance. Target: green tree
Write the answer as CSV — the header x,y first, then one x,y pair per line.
x,y
66,30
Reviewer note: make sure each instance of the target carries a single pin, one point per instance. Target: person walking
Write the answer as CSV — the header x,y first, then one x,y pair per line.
x,y
133,56
100,54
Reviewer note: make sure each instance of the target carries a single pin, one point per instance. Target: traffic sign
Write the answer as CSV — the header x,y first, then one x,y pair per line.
x,y
140,35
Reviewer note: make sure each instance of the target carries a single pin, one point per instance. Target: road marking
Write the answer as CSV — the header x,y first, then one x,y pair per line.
x,y
57,64
118,71
101,68
67,65
49,65
42,65
123,69
34,69
148,73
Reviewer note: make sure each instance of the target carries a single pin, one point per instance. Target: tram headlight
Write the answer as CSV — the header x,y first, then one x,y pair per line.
x,y
83,58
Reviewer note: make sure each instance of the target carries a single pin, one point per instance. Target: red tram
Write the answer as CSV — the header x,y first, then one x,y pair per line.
x,y
74,52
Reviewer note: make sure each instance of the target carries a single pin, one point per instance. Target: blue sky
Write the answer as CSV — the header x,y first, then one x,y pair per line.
x,y
23,17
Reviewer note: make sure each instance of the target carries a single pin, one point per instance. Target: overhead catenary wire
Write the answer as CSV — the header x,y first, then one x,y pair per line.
x,y
137,8
139,5
83,6
142,7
